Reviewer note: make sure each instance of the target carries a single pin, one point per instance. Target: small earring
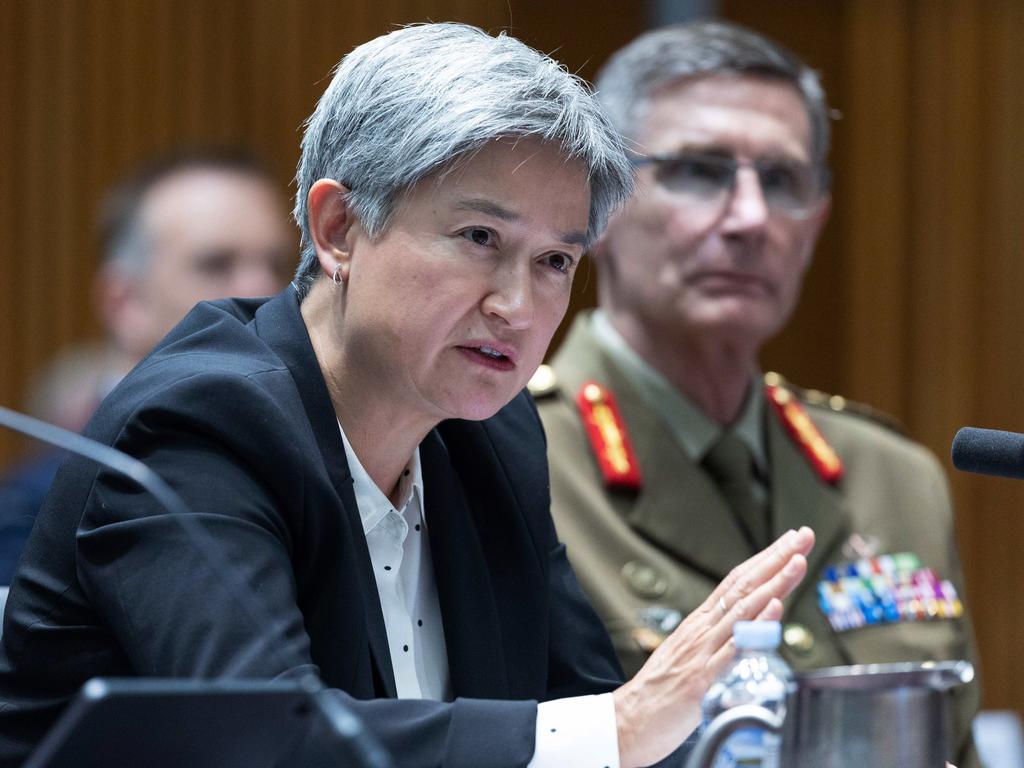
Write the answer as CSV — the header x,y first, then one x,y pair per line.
x,y
337,277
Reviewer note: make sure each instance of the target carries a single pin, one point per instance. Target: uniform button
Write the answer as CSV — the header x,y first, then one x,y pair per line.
x,y
543,381
644,580
798,638
592,393
647,639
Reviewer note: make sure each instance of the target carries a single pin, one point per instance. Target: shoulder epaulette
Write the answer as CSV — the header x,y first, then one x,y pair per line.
x,y
608,438
804,433
836,403
543,382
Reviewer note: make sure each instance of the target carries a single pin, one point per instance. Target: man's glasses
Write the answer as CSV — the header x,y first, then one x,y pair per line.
x,y
789,187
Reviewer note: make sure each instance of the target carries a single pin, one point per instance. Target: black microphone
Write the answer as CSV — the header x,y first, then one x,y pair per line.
x,y
989,452
343,724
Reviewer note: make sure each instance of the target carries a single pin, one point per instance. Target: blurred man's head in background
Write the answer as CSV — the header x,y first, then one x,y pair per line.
x,y
729,133
188,226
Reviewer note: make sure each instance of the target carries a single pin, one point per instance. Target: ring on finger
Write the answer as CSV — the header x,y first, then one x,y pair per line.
x,y
722,606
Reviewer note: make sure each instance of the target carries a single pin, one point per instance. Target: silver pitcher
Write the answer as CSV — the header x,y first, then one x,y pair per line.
x,y
872,715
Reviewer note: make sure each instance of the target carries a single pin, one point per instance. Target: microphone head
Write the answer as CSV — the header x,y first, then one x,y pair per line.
x,y
989,452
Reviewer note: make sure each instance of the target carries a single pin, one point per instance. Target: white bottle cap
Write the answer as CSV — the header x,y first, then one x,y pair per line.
x,y
757,635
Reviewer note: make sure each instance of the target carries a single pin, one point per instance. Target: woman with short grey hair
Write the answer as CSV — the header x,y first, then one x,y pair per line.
x,y
361,452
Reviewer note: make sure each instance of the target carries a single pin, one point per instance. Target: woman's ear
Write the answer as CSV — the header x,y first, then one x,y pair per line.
x,y
330,226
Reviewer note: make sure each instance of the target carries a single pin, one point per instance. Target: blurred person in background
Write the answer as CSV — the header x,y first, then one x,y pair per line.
x,y
673,457
187,226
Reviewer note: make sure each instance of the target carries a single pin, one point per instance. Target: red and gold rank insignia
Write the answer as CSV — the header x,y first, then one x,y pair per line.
x,y
800,427
608,437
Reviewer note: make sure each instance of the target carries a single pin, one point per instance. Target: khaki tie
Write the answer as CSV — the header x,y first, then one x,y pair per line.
x,y
732,467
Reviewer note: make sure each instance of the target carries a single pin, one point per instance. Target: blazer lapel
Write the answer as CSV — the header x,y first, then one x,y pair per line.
x,y
472,630
801,497
279,323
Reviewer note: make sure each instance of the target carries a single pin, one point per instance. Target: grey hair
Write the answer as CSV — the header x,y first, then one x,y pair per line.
x,y
633,75
423,99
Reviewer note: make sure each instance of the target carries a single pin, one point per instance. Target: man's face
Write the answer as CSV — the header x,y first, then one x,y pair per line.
x,y
211,234
453,308
677,267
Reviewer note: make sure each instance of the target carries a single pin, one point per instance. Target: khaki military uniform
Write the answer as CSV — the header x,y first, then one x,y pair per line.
x,y
646,552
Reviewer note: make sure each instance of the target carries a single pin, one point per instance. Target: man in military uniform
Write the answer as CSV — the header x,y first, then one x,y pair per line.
x,y
672,457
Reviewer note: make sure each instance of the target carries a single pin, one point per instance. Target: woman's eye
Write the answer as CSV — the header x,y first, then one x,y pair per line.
x,y
560,261
479,236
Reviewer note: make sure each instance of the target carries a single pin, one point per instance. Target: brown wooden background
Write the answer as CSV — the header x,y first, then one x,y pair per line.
x,y
915,303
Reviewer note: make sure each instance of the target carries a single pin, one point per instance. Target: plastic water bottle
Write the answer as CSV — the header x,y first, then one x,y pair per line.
x,y
757,675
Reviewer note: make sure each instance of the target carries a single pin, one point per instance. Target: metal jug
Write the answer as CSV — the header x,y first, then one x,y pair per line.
x,y
878,715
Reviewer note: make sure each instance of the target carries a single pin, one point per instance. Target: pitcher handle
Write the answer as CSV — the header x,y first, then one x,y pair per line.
x,y
743,716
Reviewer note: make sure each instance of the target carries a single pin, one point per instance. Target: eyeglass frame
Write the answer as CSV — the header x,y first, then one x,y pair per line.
x,y
820,170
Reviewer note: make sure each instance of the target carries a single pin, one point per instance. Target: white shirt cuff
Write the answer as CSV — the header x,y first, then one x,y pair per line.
x,y
580,731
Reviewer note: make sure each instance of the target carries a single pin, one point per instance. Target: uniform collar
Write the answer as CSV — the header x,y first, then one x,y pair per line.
x,y
689,425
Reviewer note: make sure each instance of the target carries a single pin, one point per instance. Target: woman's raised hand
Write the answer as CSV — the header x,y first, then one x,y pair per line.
x,y
660,706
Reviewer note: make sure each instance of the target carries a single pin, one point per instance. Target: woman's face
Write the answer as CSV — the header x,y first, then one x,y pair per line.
x,y
451,311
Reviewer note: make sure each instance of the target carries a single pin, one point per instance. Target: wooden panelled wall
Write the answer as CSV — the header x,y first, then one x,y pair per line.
x,y
914,302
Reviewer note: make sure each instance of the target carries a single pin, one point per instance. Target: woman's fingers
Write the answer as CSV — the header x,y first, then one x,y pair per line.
x,y
721,658
749,574
746,591
745,607
771,612
657,707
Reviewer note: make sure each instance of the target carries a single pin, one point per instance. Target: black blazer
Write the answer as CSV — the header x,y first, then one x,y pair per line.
x,y
232,411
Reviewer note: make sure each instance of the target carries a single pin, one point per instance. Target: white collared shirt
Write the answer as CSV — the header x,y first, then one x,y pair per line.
x,y
400,554
579,731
